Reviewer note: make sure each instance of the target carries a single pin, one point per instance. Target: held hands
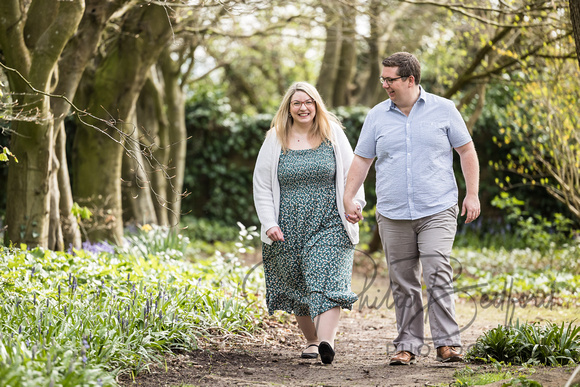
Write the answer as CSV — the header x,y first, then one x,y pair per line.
x,y
275,234
471,207
352,212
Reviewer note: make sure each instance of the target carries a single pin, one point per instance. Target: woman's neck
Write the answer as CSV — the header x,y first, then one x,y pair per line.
x,y
300,129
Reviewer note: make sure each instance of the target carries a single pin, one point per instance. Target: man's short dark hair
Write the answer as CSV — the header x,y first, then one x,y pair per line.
x,y
407,65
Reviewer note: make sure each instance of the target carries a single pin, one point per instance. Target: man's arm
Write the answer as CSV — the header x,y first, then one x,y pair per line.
x,y
357,173
470,169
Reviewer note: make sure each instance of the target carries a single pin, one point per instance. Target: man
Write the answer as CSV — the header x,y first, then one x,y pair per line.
x,y
412,135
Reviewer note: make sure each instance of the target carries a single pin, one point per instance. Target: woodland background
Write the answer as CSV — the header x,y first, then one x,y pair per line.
x,y
145,112
129,133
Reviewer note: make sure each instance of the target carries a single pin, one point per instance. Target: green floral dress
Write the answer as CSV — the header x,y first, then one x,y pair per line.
x,y
310,271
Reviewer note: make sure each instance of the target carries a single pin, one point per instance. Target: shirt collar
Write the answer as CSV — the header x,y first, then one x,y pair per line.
x,y
422,94
422,97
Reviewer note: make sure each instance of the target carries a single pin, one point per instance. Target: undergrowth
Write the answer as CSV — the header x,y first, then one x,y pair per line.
x,y
529,343
81,318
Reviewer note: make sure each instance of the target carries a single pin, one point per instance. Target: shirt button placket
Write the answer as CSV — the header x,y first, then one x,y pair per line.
x,y
409,173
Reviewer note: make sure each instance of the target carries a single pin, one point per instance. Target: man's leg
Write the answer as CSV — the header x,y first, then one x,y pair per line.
x,y
400,245
436,234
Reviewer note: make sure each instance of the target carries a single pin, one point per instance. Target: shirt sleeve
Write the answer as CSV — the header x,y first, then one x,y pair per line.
x,y
458,133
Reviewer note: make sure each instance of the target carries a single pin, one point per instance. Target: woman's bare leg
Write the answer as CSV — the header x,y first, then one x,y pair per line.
x,y
327,325
309,331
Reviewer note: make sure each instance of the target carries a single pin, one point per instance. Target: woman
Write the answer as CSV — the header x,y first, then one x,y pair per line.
x,y
308,244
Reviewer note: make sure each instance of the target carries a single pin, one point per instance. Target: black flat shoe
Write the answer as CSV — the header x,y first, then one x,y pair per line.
x,y
326,352
309,355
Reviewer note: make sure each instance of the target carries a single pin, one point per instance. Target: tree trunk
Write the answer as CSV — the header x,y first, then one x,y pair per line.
x,y
152,117
71,233
381,31
118,80
480,104
55,238
74,59
177,135
347,59
27,210
136,187
371,90
329,66
32,40
575,18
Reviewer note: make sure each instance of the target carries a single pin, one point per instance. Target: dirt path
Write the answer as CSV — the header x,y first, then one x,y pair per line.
x,y
362,354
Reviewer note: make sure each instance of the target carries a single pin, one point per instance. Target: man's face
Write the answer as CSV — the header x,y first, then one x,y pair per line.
x,y
397,88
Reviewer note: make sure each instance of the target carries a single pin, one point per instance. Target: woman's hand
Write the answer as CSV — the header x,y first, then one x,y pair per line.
x,y
352,212
275,234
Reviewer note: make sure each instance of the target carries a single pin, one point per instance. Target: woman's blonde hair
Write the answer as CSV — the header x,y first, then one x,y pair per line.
x,y
320,130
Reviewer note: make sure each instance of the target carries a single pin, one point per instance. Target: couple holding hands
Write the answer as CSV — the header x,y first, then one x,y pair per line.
x,y
308,193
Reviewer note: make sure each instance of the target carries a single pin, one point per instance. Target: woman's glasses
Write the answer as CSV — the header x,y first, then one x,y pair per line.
x,y
298,104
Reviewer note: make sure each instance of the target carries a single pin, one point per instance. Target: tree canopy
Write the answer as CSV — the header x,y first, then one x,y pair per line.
x,y
101,87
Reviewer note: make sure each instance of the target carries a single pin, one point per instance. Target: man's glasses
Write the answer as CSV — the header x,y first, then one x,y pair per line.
x,y
298,104
390,80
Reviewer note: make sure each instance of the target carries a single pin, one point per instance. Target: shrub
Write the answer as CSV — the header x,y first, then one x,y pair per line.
x,y
551,344
221,159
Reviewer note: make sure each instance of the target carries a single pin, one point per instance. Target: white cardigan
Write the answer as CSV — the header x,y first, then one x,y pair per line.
x,y
267,186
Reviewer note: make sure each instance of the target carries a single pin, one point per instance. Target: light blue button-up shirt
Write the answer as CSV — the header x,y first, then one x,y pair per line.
x,y
414,154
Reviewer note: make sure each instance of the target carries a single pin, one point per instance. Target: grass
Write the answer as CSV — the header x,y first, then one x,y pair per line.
x,y
475,377
481,376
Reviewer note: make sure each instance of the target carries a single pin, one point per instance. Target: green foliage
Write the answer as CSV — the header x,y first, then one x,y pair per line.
x,y
535,231
551,344
352,119
473,377
80,212
524,275
204,230
154,240
81,319
521,226
542,123
481,376
221,158
522,381
500,93
220,162
4,156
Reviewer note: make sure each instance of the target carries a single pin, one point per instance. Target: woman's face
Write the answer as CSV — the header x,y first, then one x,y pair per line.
x,y
302,108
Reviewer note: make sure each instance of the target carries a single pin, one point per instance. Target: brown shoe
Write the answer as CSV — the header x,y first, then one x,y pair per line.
x,y
448,355
403,358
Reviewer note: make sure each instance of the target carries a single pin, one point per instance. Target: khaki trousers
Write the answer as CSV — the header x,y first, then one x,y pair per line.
x,y
412,245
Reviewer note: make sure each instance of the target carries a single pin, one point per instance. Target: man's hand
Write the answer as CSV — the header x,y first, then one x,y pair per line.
x,y
471,207
352,212
275,234
357,174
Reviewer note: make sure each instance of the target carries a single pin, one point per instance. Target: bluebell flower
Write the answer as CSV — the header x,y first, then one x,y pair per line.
x,y
95,248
